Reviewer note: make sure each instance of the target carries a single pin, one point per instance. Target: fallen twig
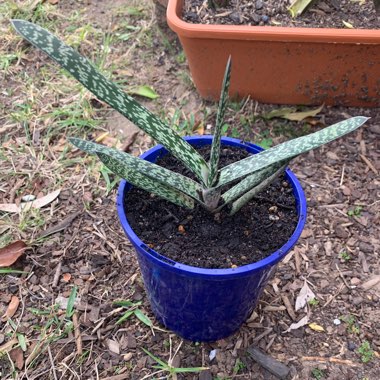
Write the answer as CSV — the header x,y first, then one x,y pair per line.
x,y
78,337
57,274
52,364
369,164
329,360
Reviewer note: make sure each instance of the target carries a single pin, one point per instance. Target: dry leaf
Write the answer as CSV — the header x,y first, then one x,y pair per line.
x,y
113,346
302,322
297,7
9,207
25,206
53,2
10,253
63,302
43,201
66,277
305,295
347,25
17,357
316,327
290,114
12,308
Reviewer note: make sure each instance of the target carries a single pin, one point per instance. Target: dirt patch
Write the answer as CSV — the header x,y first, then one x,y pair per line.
x,y
323,14
202,239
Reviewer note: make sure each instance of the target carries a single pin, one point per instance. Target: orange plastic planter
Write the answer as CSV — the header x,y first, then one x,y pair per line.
x,y
283,65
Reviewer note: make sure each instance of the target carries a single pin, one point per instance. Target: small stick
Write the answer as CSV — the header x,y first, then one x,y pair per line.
x,y
52,364
57,274
78,337
369,164
342,175
289,307
334,296
265,333
342,277
329,360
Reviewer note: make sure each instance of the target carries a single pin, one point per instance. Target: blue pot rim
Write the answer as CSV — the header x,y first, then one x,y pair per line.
x,y
170,264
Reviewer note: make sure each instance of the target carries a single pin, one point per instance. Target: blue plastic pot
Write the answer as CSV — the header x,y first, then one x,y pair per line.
x,y
204,304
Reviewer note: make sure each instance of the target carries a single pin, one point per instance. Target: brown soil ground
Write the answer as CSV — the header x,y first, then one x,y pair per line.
x,y
76,240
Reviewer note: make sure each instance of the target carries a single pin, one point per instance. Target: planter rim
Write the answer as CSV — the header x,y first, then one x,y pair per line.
x,y
272,33
170,264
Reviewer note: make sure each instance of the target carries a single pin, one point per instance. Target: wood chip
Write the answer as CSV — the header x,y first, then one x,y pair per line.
x,y
371,282
270,364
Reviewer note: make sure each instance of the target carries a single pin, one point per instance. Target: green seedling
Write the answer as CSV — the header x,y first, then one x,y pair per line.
x,y
132,310
366,352
56,326
313,302
239,366
167,367
357,211
317,373
346,257
250,175
352,326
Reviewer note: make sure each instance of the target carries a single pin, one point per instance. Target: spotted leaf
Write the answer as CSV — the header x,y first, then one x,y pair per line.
x,y
251,181
146,168
239,203
288,150
146,183
104,89
215,147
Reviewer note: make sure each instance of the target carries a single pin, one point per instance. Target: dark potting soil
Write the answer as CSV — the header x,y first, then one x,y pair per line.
x,y
202,239
321,14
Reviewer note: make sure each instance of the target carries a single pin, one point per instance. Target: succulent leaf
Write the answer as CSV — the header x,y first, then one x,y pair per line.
x,y
143,182
251,181
104,89
146,168
239,203
288,150
215,147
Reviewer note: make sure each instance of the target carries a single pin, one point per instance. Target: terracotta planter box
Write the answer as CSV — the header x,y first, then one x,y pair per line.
x,y
283,65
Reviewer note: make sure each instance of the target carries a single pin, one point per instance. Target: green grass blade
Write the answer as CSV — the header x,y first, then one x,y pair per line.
x,y
288,150
190,369
156,359
251,181
124,317
146,183
153,171
109,92
238,204
22,341
143,318
126,303
10,270
215,147
71,302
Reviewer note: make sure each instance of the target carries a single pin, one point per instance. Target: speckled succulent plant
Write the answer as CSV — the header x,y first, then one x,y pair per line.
x,y
252,174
